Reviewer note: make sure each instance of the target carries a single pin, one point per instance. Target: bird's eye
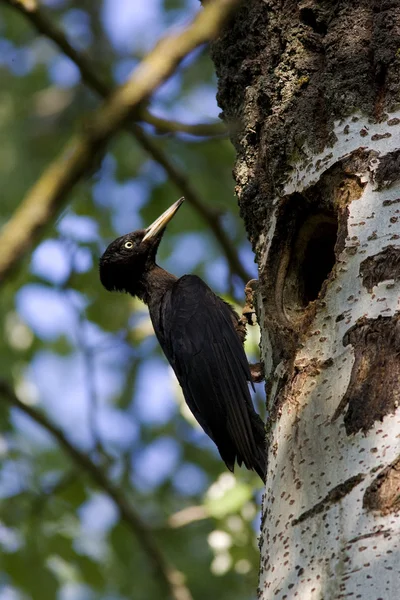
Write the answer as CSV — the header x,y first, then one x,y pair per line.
x,y
128,245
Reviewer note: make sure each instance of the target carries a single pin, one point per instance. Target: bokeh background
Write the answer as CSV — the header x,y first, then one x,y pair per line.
x,y
88,360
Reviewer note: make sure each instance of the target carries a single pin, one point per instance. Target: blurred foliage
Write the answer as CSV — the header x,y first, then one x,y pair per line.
x,y
88,359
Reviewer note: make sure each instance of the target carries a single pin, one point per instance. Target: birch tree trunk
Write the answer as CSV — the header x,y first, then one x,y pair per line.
x,y
312,91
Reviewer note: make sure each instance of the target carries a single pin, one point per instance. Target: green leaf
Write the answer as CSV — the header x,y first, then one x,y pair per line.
x,y
230,501
29,573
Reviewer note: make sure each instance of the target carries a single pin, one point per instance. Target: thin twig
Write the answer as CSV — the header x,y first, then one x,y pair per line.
x,y
170,126
89,75
170,577
188,515
46,26
49,193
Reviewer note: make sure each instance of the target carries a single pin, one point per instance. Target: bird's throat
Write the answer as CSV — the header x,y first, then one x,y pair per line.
x,y
153,285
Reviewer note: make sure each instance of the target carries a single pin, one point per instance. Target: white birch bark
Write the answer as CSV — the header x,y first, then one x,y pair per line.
x,y
330,527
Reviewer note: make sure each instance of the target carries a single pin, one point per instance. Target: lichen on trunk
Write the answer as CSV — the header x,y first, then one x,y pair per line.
x,y
311,91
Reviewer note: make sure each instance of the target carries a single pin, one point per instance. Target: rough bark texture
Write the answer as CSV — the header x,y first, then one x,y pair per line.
x,y
312,92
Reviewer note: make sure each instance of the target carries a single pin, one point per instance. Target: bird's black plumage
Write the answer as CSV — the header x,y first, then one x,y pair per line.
x,y
196,330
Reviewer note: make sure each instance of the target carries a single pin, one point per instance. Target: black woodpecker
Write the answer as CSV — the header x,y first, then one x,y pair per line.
x,y
199,335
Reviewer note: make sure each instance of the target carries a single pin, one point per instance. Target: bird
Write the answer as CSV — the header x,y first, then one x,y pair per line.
x,y
200,336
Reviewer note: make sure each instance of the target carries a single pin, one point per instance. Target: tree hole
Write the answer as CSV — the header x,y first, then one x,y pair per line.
x,y
311,229
319,258
311,258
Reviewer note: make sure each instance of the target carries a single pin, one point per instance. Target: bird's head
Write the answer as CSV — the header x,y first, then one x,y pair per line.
x,y
127,258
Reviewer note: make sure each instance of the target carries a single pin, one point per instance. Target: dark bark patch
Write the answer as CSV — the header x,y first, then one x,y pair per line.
x,y
390,202
381,267
383,494
374,388
388,171
332,497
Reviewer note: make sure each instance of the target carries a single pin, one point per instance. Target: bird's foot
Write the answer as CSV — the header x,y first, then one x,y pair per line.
x,y
249,315
257,372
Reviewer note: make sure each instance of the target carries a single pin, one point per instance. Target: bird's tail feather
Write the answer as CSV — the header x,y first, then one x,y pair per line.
x,y
258,460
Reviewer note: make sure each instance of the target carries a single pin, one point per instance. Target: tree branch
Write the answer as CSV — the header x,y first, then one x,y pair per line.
x,y
46,26
48,194
171,578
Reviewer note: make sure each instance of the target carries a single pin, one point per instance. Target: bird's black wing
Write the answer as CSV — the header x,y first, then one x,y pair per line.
x,y
200,341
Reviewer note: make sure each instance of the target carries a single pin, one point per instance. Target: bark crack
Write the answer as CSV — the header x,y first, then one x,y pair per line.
x,y
333,497
371,534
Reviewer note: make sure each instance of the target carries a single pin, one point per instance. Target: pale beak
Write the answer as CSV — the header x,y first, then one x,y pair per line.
x,y
162,221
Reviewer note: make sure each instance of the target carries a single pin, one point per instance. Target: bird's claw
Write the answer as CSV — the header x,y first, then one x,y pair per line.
x,y
257,372
249,315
